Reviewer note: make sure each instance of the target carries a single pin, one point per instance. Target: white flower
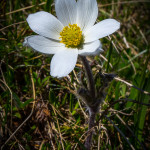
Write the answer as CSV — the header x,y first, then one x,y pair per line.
x,y
72,34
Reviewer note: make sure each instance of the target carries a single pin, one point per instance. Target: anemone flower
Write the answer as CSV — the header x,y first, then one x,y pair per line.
x,y
72,33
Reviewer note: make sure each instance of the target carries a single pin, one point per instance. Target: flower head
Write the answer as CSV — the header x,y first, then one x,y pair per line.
x,y
71,34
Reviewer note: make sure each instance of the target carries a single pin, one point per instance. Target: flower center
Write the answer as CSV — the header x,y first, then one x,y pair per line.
x,y
71,36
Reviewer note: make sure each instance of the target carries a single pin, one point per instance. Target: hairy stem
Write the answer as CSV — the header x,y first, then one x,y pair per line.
x,y
91,84
90,130
92,112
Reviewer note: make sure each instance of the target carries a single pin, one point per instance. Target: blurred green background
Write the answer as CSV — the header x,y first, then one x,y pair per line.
x,y
57,119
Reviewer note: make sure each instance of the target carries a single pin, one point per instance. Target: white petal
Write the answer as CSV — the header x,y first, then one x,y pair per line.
x,y
63,62
87,12
92,48
101,29
43,45
45,24
66,11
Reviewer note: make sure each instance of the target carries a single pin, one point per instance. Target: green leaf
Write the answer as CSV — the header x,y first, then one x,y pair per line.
x,y
141,116
123,90
26,102
17,101
45,79
117,94
109,55
81,145
18,115
48,5
76,106
71,102
52,97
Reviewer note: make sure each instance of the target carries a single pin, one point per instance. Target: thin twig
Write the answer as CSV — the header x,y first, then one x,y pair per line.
x,y
120,132
58,128
125,2
64,117
142,34
11,94
11,98
83,136
130,130
129,84
134,101
132,64
114,44
119,112
22,9
82,109
42,145
12,25
106,60
33,88
120,100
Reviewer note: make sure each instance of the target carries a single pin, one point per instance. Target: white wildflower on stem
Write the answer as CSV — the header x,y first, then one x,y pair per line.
x,y
72,33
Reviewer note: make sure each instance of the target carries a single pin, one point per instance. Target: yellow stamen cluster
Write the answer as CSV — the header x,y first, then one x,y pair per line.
x,y
71,36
